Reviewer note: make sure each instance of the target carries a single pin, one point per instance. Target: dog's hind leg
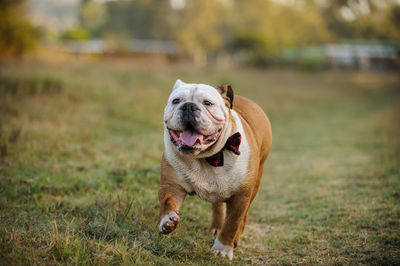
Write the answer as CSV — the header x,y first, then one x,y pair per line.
x,y
218,217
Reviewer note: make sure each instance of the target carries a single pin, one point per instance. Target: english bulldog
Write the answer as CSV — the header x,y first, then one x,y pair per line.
x,y
215,146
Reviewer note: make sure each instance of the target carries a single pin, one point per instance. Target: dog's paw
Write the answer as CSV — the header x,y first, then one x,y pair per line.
x,y
222,250
169,223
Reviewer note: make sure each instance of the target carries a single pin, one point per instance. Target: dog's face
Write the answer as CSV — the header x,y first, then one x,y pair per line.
x,y
197,116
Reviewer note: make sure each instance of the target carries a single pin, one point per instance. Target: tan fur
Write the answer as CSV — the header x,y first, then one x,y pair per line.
x,y
170,194
259,134
228,224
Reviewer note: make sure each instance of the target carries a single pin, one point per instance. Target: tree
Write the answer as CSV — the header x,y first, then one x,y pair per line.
x,y
365,19
197,28
394,21
17,35
93,15
280,25
143,19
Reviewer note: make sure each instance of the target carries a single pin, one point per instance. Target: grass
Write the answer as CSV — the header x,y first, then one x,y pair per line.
x,y
80,146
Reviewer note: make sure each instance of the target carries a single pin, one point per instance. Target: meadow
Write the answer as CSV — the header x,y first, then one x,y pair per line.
x,y
80,149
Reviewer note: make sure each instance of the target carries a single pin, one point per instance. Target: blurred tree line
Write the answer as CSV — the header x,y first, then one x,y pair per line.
x,y
256,28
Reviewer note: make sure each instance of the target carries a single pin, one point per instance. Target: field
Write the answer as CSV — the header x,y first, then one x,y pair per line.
x,y
81,142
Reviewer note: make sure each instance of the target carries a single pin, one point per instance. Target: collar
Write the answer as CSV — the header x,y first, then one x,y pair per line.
x,y
232,144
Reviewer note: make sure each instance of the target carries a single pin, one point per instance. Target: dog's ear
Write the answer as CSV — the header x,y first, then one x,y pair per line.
x,y
227,93
178,83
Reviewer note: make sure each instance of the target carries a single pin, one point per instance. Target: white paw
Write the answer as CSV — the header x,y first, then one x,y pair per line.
x,y
222,250
169,222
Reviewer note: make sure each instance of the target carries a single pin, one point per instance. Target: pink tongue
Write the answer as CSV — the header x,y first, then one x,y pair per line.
x,y
190,137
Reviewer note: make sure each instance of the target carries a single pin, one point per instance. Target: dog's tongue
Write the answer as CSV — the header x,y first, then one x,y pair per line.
x,y
190,137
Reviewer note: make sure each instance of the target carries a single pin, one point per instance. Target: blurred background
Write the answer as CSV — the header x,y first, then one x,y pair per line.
x,y
83,85
310,34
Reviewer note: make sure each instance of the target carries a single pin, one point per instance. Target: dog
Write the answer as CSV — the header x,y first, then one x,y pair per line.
x,y
215,147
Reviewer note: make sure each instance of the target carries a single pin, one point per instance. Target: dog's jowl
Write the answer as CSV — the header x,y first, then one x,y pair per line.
x,y
215,147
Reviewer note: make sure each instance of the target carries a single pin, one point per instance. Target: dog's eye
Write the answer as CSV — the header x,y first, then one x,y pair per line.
x,y
176,101
208,103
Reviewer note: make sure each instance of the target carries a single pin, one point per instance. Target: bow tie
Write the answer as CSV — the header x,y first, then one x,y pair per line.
x,y
232,144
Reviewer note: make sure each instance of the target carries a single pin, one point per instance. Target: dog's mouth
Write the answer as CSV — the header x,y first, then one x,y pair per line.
x,y
190,139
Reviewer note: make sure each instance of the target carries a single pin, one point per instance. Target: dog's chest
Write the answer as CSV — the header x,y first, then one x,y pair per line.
x,y
214,183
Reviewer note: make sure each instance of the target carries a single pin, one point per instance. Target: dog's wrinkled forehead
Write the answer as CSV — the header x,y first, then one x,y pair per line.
x,y
190,91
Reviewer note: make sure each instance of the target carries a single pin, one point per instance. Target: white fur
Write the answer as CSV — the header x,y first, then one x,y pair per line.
x,y
211,118
167,218
222,250
210,183
177,84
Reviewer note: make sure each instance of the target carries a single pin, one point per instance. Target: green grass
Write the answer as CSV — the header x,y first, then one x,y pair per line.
x,y
80,146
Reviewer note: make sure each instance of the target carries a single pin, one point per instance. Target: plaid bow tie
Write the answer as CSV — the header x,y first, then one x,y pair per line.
x,y
232,144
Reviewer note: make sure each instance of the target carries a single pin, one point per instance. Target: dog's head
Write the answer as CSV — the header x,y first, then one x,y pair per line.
x,y
197,118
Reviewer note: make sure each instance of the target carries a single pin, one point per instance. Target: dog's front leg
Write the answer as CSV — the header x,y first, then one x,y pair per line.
x,y
236,208
171,197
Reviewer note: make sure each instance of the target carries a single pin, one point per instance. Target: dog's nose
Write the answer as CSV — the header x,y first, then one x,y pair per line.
x,y
189,107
